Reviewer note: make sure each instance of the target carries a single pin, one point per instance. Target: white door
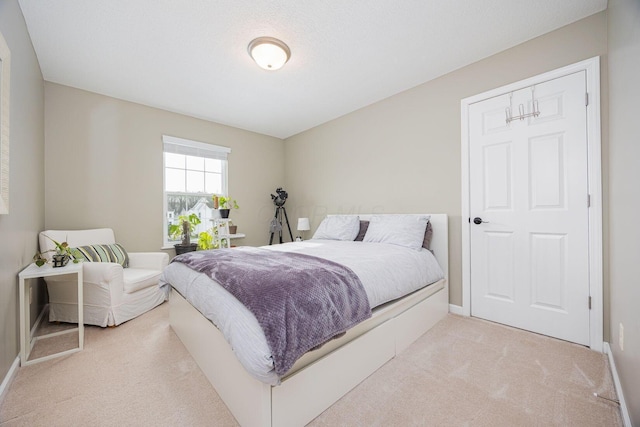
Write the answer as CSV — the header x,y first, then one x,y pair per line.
x,y
529,258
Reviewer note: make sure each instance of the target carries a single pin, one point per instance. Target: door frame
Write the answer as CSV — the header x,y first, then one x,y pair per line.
x,y
592,68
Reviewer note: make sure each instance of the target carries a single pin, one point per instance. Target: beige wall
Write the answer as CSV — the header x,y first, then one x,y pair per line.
x,y
18,230
403,154
104,167
624,171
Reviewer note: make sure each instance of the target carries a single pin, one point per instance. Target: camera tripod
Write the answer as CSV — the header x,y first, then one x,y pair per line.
x,y
278,220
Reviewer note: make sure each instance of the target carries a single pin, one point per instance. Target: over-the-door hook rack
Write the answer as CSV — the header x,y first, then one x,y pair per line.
x,y
521,109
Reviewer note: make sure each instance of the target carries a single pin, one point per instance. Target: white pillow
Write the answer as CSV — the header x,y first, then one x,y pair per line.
x,y
338,227
401,230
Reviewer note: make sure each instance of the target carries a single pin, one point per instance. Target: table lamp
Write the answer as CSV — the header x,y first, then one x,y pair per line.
x,y
303,225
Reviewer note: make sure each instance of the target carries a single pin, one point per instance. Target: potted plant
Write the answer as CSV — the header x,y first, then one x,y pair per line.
x,y
183,229
205,240
213,239
224,205
63,253
209,240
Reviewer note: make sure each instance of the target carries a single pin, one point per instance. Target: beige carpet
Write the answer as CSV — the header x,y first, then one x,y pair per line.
x,y
464,372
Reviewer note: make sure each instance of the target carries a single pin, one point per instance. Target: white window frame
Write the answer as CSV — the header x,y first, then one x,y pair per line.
x,y
195,148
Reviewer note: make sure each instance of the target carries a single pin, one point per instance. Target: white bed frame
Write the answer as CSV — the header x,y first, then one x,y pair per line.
x,y
311,389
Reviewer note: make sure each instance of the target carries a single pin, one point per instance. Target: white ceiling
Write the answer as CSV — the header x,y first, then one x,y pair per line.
x,y
190,56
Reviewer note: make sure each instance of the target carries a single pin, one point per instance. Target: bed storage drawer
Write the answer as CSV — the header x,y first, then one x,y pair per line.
x,y
294,403
411,324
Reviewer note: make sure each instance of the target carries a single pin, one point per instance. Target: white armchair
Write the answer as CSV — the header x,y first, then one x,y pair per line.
x,y
112,294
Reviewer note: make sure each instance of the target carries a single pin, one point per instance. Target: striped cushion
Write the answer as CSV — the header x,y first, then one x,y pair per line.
x,y
105,253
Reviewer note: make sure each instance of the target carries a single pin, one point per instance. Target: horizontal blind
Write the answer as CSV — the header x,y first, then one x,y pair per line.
x,y
188,147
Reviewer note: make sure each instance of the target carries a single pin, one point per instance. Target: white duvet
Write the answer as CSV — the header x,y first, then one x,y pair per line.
x,y
386,271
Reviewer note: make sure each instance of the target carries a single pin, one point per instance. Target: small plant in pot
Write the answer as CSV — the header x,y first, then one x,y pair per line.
x,y
224,205
216,237
63,253
183,229
206,241
209,239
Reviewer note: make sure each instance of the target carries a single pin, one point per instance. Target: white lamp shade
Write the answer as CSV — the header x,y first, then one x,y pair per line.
x,y
303,224
269,53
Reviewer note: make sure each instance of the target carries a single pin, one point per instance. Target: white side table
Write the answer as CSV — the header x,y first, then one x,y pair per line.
x,y
26,344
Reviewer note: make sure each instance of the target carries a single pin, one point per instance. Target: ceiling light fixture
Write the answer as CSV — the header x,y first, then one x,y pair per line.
x,y
269,53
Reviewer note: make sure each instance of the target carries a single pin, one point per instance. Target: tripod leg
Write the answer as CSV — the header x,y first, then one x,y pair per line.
x,y
280,219
288,226
276,217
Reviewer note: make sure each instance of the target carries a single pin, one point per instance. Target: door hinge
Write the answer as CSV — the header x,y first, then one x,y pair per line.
x,y
588,200
586,99
589,302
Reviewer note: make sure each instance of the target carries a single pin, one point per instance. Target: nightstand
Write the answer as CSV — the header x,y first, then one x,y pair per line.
x,y
26,342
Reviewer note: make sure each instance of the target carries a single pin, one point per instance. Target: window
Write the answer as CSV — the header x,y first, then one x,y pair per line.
x,y
193,173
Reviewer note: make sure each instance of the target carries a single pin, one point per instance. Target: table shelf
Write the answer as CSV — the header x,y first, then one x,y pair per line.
x,y
26,341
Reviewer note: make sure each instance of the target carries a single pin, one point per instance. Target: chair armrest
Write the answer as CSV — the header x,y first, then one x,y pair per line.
x,y
106,275
103,274
148,260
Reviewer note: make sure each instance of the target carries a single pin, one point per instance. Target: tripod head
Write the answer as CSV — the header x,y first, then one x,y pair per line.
x,y
281,197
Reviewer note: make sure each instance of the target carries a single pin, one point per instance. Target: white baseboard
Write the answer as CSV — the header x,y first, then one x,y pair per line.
x,y
13,370
16,363
456,309
616,382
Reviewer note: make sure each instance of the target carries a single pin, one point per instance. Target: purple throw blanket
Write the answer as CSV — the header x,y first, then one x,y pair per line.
x,y
300,301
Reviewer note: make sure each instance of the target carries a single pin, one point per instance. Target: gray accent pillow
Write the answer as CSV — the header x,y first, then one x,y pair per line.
x,y
428,235
363,230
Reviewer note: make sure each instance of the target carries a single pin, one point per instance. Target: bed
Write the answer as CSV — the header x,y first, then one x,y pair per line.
x,y
322,376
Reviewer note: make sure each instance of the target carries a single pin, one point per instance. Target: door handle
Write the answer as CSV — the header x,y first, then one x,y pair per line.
x,y
478,220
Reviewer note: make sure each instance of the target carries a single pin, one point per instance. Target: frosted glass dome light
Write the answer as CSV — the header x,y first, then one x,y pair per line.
x,y
269,53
